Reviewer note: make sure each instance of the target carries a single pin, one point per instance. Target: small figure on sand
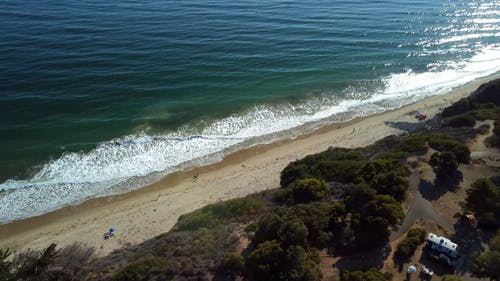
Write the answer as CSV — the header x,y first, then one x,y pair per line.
x,y
195,177
421,116
109,234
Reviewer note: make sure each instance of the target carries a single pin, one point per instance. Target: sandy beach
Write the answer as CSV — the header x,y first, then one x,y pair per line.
x,y
152,210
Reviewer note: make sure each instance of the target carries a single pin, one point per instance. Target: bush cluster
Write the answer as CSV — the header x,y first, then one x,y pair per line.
x,y
483,104
305,191
486,265
287,240
483,199
443,144
236,209
335,164
414,238
460,121
142,270
372,275
50,264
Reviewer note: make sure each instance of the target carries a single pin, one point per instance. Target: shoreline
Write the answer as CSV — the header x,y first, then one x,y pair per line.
x,y
154,209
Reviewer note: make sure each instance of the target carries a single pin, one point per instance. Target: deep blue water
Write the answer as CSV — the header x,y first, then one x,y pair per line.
x,y
96,92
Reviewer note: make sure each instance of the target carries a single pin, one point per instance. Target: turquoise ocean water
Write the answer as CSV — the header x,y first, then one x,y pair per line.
x,y
97,97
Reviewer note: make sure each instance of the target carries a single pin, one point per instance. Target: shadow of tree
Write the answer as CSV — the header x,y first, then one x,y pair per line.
x,y
470,241
409,127
399,261
430,191
364,260
450,183
434,190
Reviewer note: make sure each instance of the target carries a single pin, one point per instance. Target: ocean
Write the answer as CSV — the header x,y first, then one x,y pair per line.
x,y
101,97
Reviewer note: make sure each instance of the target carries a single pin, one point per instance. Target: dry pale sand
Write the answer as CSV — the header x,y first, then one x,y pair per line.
x,y
145,213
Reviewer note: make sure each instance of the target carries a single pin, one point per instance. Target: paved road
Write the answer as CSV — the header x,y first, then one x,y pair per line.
x,y
420,209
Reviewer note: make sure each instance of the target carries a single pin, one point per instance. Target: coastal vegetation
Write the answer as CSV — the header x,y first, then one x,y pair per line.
x,y
339,203
67,263
414,238
483,104
372,274
486,265
483,199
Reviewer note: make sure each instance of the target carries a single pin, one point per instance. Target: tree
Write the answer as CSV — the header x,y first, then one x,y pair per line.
x,y
483,197
269,225
293,232
233,263
444,143
391,184
308,190
264,262
272,262
358,196
301,265
414,238
317,218
444,164
486,265
372,222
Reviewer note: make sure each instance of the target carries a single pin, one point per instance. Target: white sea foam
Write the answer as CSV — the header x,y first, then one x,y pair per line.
x,y
75,177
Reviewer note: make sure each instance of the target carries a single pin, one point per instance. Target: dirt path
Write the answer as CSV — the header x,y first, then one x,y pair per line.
x,y
479,150
420,208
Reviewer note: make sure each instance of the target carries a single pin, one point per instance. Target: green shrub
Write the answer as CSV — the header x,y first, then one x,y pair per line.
x,y
487,93
370,275
252,227
483,198
486,265
213,214
317,218
139,270
264,262
494,140
459,107
334,164
413,144
486,112
294,171
269,225
307,190
459,121
444,164
418,233
387,177
345,171
444,143
414,238
233,263
269,261
293,232
397,155
372,221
